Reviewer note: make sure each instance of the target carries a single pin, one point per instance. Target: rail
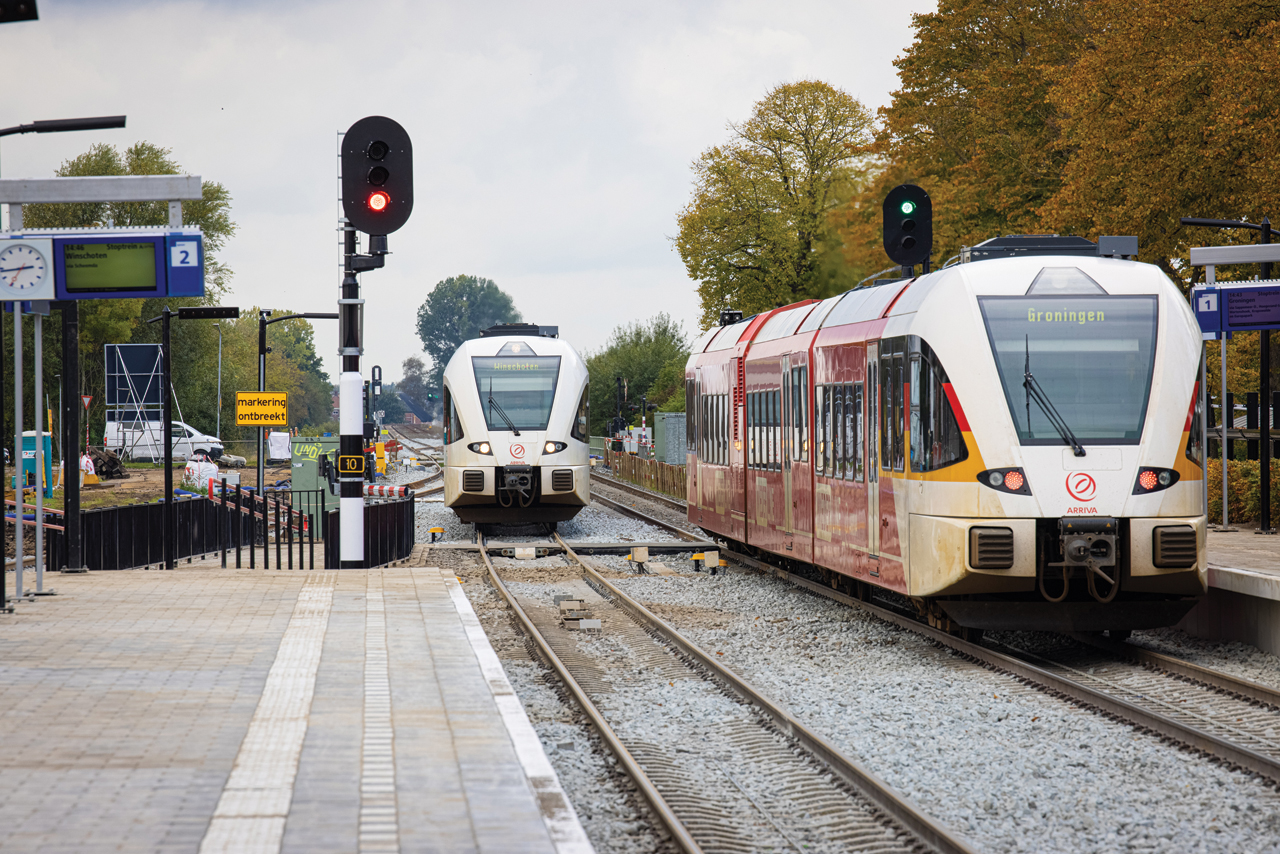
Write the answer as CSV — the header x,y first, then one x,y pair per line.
x,y
679,833
897,806
1267,766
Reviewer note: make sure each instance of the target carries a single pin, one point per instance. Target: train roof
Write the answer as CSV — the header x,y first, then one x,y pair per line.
x,y
1028,271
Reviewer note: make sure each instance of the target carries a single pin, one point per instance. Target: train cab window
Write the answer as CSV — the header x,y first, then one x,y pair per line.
x,y
936,440
892,450
452,425
1195,437
581,429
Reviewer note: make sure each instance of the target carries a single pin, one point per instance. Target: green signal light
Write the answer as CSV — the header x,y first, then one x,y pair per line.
x,y
908,207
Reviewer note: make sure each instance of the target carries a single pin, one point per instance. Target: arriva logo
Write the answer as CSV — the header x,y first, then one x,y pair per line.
x,y
1081,486
517,451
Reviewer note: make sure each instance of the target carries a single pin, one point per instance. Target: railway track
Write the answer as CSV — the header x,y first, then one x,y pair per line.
x,y
738,783
1230,719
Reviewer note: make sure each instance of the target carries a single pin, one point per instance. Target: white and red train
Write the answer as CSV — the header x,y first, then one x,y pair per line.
x,y
1012,442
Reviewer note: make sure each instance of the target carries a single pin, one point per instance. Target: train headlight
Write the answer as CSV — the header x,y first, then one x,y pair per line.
x,y
553,447
1011,480
1151,479
480,448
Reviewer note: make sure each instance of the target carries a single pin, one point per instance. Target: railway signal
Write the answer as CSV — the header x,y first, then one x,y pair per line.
x,y
908,226
377,175
377,198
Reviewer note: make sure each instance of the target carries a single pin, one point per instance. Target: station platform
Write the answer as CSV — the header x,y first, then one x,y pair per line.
x,y
1243,603
244,711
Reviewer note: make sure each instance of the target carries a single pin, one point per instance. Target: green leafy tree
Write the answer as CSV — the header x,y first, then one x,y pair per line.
x,y
415,380
972,123
644,355
391,405
756,230
455,311
122,321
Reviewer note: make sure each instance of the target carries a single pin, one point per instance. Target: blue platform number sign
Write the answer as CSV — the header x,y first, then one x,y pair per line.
x,y
185,262
1205,301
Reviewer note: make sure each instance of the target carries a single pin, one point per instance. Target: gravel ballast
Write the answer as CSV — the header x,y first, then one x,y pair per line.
x,y
1007,765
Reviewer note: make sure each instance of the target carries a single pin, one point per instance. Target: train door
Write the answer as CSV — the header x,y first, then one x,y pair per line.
x,y
788,507
872,422
695,481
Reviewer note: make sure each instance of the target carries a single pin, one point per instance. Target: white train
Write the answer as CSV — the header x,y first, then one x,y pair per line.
x,y
1013,442
516,428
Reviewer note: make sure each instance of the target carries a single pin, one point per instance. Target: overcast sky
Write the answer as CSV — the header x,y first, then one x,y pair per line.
x,y
552,141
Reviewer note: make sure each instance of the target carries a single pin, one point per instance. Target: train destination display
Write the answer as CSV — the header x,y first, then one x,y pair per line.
x,y
1252,307
108,267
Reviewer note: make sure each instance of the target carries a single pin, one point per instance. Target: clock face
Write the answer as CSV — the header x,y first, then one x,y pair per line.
x,y
22,269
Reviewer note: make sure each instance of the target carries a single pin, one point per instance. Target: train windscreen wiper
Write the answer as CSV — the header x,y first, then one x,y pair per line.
x,y
1036,393
493,404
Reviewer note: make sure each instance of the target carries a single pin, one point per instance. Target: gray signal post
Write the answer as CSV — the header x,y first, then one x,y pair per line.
x,y
16,192
1221,320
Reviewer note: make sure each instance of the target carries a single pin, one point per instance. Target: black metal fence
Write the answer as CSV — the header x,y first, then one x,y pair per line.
x,y
244,528
388,533
132,536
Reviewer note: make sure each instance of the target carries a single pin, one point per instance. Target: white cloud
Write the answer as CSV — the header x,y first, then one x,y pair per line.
x,y
552,141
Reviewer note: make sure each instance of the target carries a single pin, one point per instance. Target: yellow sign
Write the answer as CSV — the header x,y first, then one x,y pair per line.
x,y
350,464
262,409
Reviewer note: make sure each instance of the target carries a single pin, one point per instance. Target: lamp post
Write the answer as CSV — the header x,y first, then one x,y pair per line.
x,y
218,431
263,323
169,538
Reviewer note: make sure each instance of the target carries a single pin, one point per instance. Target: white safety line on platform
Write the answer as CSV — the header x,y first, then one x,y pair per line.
x,y
255,801
558,813
379,826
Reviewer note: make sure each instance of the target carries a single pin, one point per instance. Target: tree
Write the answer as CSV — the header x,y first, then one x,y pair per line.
x,y
455,311
972,123
640,353
117,321
391,404
1172,110
755,231
415,381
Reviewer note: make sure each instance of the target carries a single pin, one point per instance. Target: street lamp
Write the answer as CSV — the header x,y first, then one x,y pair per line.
x,y
263,323
60,125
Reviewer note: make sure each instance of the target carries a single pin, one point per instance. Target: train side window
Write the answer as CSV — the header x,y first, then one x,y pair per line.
x,y
936,440
828,462
724,429
837,439
581,423
1195,437
453,425
886,407
899,415
850,435
857,431
804,413
776,396
690,436
892,415
819,400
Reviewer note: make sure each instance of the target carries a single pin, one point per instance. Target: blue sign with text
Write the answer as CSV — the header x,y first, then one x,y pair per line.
x,y
121,265
1243,307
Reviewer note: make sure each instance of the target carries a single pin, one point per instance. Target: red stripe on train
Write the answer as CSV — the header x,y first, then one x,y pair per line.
x,y
956,408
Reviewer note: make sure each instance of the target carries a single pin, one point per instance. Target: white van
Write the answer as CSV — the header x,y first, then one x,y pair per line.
x,y
142,440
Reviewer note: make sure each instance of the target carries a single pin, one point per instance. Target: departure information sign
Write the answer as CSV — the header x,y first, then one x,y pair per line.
x,y
1231,307
107,267
1252,307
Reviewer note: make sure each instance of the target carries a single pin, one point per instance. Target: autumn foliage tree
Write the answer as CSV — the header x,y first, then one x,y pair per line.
x,y
754,233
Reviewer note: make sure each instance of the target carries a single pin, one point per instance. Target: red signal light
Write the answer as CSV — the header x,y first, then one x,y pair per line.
x,y
1013,481
1147,479
378,201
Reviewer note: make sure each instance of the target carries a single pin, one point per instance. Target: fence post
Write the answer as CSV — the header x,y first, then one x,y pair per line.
x,y
289,526
311,536
278,565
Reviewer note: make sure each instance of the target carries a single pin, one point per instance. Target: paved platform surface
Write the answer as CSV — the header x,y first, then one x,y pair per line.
x,y
248,711
1245,562
1243,603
